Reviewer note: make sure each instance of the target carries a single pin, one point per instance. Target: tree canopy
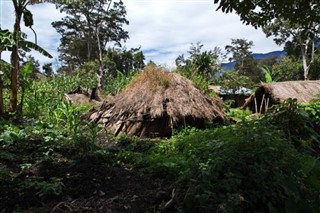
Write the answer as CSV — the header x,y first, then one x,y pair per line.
x,y
291,21
258,13
87,26
241,54
205,63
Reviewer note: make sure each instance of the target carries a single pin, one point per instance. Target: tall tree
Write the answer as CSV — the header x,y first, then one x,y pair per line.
x,y
19,7
47,68
87,29
20,42
241,54
295,36
21,11
240,50
123,60
205,63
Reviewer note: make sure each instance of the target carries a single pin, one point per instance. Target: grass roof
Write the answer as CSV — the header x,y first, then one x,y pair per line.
x,y
156,95
303,91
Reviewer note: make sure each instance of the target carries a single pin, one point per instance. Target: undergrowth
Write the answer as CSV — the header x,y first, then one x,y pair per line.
x,y
265,164
269,164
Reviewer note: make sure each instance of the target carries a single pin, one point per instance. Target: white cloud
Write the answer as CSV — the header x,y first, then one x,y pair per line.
x,y
47,37
163,28
171,26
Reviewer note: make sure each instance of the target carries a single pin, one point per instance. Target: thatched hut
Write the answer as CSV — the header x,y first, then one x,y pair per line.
x,y
155,102
83,95
273,93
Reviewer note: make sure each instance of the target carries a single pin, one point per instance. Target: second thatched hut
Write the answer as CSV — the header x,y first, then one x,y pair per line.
x,y
155,102
273,93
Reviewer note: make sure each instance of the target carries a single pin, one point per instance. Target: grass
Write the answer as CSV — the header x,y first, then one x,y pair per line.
x,y
156,78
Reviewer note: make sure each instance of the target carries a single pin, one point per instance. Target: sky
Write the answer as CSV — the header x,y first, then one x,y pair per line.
x,y
164,29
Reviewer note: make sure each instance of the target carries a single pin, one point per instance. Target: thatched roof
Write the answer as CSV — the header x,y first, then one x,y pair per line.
x,y
154,102
83,95
273,93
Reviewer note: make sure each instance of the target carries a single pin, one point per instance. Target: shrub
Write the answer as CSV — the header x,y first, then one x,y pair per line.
x,y
245,168
296,123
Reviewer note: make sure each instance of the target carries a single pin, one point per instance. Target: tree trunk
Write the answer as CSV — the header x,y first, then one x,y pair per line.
x,y
101,72
101,64
15,62
2,110
1,97
14,79
304,54
305,66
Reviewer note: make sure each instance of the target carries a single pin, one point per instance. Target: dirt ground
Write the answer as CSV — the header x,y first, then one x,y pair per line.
x,y
88,184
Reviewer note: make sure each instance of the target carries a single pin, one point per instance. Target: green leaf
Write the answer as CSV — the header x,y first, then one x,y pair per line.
x,y
27,69
27,45
6,40
267,74
308,164
27,18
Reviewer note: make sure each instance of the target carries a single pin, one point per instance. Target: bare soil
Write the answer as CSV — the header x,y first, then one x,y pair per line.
x,y
89,184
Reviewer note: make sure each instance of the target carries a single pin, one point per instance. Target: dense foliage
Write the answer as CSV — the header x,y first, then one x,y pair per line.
x,y
258,13
88,28
264,165
201,66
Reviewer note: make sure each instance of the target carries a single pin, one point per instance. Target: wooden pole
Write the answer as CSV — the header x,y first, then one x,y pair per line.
x,y
261,103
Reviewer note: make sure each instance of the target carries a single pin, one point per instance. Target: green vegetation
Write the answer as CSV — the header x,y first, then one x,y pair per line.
x,y
265,164
53,160
255,165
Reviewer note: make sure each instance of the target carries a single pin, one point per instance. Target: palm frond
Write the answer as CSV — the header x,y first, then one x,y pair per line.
x,y
28,45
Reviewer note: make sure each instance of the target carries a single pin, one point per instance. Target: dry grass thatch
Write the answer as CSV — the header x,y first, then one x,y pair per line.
x,y
273,93
83,96
154,102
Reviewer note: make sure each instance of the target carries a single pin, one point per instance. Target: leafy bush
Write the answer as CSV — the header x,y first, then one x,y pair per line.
x,y
238,114
235,170
288,69
45,96
46,189
295,122
12,134
247,167
313,109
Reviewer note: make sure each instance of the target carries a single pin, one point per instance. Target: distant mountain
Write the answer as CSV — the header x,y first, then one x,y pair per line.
x,y
257,56
265,55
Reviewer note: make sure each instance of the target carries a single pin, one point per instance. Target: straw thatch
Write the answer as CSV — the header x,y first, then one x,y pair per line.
x,y
155,102
274,93
83,95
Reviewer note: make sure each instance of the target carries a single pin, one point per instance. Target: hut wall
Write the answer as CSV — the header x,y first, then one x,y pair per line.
x,y
238,99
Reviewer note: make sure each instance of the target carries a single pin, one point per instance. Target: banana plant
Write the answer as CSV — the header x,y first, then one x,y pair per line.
x,y
267,74
21,11
6,42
